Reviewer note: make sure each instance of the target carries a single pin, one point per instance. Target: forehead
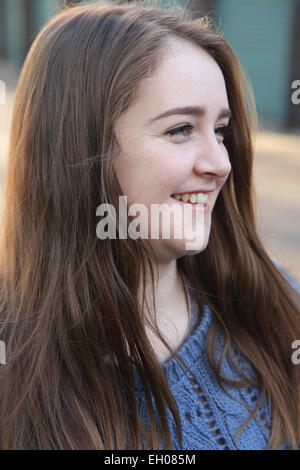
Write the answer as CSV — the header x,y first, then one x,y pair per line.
x,y
186,75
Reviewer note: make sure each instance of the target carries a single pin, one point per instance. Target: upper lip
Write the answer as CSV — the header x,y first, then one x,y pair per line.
x,y
195,191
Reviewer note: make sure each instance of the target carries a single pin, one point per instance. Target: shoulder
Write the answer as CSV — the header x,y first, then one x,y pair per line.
x,y
290,278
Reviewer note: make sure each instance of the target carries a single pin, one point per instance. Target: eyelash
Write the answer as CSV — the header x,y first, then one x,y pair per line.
x,y
224,130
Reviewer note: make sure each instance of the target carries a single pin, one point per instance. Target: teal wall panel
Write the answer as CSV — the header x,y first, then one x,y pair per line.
x,y
260,33
170,3
42,11
13,30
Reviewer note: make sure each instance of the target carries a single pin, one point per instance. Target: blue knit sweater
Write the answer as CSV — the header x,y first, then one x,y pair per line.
x,y
209,417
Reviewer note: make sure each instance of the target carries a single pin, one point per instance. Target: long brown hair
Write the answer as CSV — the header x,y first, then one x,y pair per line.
x,y
71,320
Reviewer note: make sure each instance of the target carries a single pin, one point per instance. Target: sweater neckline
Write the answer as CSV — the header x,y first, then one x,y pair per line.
x,y
190,350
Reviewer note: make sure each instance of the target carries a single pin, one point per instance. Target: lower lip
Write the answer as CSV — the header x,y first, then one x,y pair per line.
x,y
197,207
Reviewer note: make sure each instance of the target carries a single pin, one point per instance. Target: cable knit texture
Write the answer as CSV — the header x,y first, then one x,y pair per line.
x,y
209,417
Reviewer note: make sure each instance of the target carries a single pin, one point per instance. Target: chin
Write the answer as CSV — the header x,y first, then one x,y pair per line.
x,y
169,249
194,247
178,248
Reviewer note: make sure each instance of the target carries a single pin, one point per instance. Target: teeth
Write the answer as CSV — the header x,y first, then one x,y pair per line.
x,y
185,197
195,198
202,198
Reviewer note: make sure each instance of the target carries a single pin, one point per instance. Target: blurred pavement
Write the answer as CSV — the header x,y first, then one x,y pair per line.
x,y
277,181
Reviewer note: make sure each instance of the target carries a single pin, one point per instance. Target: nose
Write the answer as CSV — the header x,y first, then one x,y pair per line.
x,y
212,158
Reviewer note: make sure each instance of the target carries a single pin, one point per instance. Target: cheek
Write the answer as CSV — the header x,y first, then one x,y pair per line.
x,y
220,184
140,176
227,171
150,172
174,170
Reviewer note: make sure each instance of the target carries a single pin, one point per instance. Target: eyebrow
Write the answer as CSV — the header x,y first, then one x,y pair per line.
x,y
198,111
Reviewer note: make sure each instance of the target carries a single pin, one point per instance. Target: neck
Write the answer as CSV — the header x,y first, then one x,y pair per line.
x,y
171,310
170,295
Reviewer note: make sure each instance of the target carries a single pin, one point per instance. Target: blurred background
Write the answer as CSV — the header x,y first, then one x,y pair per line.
x,y
265,34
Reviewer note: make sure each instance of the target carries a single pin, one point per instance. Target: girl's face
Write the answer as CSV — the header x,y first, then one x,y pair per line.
x,y
180,152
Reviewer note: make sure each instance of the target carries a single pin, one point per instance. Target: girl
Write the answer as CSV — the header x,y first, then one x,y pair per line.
x,y
128,342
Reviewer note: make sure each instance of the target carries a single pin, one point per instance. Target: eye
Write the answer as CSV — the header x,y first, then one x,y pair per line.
x,y
180,130
224,131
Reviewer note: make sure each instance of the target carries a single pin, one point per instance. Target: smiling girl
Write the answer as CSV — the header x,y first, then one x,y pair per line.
x,y
139,343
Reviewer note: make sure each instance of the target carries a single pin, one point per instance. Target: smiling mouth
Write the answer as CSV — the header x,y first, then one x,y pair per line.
x,y
194,205
191,198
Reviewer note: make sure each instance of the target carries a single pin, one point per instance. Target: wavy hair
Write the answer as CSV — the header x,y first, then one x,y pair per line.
x,y
70,316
